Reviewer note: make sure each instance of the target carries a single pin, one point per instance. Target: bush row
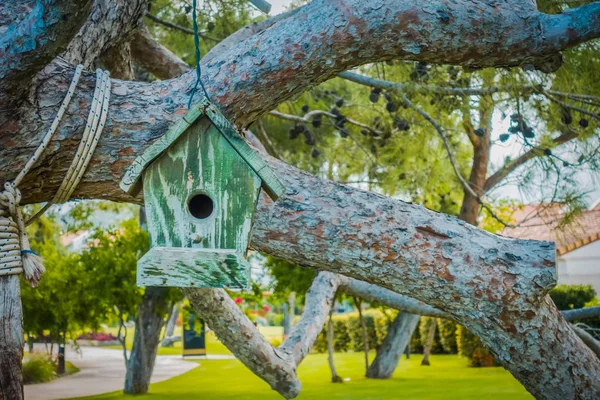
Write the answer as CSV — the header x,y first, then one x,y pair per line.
x,y
450,338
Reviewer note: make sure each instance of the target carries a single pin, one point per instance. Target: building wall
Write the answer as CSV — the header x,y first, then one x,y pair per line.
x,y
581,266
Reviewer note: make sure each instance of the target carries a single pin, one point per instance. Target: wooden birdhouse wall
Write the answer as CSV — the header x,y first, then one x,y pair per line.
x,y
201,161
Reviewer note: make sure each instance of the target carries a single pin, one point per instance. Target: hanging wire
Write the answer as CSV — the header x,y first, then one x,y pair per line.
x,y
198,70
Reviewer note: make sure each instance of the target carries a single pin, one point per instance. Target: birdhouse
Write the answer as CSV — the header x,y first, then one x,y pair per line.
x,y
201,182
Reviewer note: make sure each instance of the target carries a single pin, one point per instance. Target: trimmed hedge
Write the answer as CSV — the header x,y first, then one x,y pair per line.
x,y
348,332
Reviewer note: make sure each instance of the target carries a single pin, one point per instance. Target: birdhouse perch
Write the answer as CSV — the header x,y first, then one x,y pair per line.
x,y
201,182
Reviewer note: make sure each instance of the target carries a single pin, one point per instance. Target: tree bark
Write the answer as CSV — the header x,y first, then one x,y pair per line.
x,y
469,210
171,323
330,350
31,40
154,57
588,339
149,322
389,352
110,22
429,342
118,61
11,338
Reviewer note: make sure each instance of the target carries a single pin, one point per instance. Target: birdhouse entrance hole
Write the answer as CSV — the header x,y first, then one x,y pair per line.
x,y
201,206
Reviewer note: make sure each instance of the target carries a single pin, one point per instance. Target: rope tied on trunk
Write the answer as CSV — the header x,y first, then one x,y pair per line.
x,y
16,256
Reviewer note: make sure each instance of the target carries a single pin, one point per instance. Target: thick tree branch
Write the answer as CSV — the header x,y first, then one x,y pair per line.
x,y
154,57
588,339
581,313
431,257
118,61
109,22
30,44
247,31
388,298
319,301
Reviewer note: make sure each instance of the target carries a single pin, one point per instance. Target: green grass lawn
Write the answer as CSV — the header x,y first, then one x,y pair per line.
x,y
447,378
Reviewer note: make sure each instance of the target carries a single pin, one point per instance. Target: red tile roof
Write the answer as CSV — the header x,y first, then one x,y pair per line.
x,y
545,224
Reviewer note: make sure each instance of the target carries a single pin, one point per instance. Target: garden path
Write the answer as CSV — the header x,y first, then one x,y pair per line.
x,y
101,371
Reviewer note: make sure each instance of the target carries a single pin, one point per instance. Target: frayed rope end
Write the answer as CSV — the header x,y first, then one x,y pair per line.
x,y
32,267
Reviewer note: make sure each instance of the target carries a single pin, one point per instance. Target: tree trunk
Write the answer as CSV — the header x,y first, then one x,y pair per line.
x,y
396,341
334,376
363,328
469,210
11,338
429,342
149,322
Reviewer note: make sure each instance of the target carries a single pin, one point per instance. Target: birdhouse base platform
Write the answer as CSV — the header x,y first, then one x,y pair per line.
x,y
193,267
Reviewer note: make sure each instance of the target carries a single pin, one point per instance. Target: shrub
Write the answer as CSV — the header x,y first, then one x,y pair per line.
x,y
341,337
567,297
274,319
348,332
471,347
38,368
447,335
99,336
415,342
356,333
275,342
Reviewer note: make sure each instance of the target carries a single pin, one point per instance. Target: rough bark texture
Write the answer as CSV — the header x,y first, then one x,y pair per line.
x,y
154,57
11,338
389,352
110,22
588,339
149,322
117,60
429,342
319,301
29,43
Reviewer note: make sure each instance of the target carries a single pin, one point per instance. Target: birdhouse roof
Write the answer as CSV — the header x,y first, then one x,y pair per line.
x,y
132,183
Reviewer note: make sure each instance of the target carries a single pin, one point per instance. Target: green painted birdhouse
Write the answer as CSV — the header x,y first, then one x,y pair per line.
x,y
201,182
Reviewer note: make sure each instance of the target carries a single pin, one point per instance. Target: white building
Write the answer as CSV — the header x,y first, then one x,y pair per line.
x,y
577,244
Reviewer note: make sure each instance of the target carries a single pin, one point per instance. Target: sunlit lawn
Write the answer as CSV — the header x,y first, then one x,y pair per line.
x,y
447,378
